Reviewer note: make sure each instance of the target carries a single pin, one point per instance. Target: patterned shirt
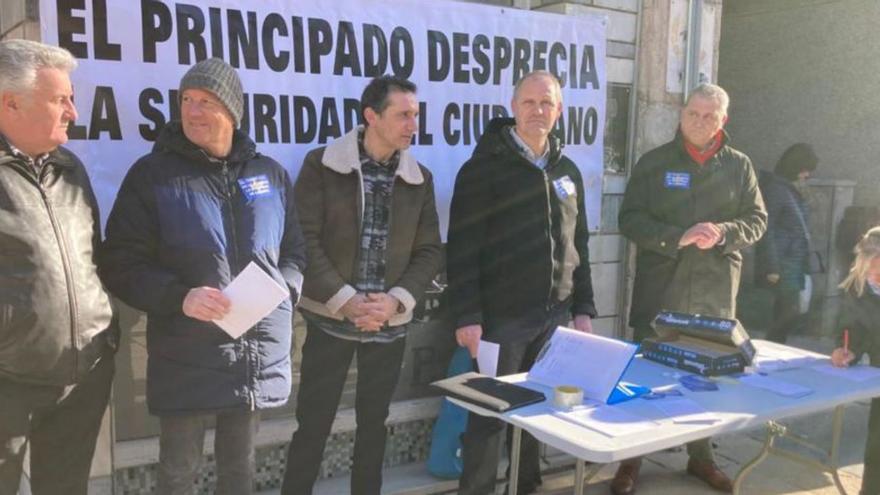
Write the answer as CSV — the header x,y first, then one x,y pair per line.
x,y
35,163
539,161
378,180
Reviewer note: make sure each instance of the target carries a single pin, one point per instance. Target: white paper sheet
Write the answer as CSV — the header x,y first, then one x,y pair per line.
x,y
857,373
487,358
591,362
608,420
684,411
779,387
774,357
254,294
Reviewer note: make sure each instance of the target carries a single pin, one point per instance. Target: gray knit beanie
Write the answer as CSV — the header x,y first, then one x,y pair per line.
x,y
219,78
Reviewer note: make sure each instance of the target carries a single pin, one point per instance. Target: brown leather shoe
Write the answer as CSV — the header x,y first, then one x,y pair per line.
x,y
624,482
711,474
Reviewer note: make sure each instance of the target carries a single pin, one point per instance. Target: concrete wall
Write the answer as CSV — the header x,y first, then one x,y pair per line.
x,y
806,70
18,19
606,246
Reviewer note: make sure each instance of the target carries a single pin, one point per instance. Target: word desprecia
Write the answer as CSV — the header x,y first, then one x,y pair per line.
x,y
313,45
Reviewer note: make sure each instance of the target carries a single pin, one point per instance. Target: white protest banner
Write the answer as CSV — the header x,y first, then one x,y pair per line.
x,y
304,63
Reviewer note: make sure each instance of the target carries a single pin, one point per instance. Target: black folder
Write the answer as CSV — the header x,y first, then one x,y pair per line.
x,y
487,392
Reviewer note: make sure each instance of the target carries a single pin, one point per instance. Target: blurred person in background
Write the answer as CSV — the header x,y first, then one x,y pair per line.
x,y
783,254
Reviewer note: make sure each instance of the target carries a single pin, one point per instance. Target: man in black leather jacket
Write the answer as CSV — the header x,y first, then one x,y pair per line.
x,y
57,331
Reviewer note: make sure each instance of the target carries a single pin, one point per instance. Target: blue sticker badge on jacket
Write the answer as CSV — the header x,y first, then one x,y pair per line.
x,y
253,187
564,187
678,180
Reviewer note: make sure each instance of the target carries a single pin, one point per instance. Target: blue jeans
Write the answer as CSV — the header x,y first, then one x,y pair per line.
x,y
180,452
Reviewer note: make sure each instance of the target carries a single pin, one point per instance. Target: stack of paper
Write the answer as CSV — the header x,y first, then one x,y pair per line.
x,y
774,357
779,387
591,362
858,373
611,421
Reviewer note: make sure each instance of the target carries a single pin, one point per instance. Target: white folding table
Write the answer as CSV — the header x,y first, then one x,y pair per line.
x,y
738,406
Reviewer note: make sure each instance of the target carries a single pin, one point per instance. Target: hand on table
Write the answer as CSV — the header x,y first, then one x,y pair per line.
x,y
842,357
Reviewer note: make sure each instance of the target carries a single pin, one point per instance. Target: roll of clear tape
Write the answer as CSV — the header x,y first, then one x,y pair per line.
x,y
567,396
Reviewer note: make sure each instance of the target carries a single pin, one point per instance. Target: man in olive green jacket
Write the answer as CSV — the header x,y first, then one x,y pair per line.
x,y
690,206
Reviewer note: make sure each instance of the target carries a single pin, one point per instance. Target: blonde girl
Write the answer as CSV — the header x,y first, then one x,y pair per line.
x,y
860,320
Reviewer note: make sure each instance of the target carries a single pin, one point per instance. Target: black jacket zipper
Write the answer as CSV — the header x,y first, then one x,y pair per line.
x,y
65,261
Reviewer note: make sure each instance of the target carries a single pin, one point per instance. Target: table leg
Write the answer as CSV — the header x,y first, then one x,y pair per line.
x,y
579,477
774,430
514,460
836,428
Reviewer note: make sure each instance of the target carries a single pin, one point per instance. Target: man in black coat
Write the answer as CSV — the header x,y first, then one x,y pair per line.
x,y
518,262
690,206
191,216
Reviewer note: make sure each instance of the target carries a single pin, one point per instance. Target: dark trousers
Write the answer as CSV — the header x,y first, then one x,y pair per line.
x,y
482,438
61,424
325,363
699,450
181,441
871,476
786,313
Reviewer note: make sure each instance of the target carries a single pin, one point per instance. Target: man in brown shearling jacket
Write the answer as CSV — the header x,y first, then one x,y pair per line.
x,y
372,237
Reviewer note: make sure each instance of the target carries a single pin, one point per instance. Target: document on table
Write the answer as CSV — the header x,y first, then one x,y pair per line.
x,y
611,421
684,411
774,357
857,373
254,294
591,362
487,358
779,387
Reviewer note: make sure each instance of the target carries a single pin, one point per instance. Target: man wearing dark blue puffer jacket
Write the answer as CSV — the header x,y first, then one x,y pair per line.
x,y
189,217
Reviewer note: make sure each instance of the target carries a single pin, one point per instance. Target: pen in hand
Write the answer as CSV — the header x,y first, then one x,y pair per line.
x,y
841,357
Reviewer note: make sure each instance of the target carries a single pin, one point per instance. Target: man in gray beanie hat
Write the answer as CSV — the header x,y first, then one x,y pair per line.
x,y
217,77
188,219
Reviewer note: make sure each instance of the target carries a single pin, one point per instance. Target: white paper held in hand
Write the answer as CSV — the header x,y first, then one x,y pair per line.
x,y
253,294
487,358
